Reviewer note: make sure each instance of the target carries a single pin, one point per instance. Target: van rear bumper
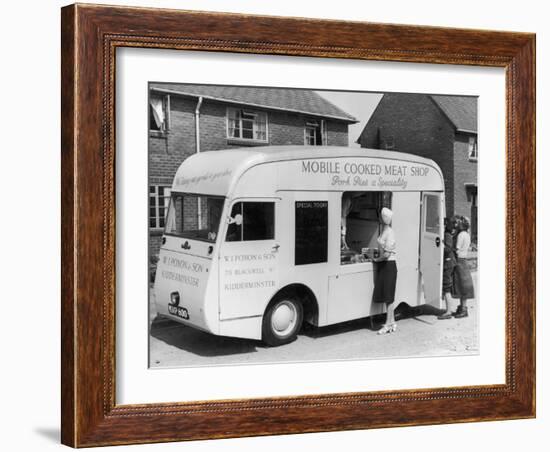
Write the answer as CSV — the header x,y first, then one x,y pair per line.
x,y
244,327
165,317
189,314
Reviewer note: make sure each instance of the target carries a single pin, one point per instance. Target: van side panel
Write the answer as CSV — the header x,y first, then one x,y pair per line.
x,y
257,182
359,173
313,276
247,278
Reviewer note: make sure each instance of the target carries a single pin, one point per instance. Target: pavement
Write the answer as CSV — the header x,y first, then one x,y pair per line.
x,y
419,334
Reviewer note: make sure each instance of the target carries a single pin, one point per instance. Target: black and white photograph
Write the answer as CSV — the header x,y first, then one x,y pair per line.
x,y
258,226
295,225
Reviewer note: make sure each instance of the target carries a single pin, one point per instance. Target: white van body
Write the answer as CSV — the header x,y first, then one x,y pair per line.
x,y
225,286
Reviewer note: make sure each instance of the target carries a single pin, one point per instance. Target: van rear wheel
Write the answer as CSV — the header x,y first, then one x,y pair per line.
x,y
282,321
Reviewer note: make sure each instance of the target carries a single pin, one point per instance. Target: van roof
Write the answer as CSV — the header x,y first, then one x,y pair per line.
x,y
212,172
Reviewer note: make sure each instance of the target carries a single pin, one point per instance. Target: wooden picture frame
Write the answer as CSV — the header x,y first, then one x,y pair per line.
x,y
90,37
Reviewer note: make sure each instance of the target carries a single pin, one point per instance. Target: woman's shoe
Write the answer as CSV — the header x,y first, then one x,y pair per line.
x,y
386,329
445,316
393,327
459,314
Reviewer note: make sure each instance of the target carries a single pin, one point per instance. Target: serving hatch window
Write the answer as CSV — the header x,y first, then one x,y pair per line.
x,y
194,216
360,224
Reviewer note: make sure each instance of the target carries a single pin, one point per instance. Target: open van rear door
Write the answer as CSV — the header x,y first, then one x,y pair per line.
x,y
431,247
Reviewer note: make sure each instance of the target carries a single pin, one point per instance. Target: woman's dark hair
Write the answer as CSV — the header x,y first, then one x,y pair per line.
x,y
462,223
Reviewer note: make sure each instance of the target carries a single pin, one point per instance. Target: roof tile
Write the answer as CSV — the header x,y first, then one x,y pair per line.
x,y
461,110
298,100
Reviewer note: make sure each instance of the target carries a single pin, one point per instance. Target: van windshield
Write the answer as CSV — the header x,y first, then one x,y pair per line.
x,y
194,216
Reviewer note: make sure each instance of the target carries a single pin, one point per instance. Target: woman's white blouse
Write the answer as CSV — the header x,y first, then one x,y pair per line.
x,y
386,242
462,244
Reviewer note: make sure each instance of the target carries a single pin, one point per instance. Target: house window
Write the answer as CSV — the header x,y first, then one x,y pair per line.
x,y
159,113
389,142
246,125
315,133
159,199
472,148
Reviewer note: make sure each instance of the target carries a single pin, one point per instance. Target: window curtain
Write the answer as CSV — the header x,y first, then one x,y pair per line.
x,y
158,111
171,220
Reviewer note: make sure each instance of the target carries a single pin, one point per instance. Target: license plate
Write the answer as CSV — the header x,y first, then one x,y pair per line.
x,y
178,311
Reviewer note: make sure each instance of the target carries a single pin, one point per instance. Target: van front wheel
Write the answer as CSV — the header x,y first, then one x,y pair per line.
x,y
282,321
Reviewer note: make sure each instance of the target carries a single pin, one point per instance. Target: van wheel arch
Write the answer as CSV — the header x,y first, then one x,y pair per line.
x,y
294,300
308,299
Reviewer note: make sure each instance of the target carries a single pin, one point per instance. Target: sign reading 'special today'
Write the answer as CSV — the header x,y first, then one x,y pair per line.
x,y
253,242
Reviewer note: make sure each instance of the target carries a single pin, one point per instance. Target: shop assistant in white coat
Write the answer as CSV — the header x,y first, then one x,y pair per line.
x,y
252,245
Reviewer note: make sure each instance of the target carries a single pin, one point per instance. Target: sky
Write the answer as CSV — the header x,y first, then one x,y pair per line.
x,y
358,104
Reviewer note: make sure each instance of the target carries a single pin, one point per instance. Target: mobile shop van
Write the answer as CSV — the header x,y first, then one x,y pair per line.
x,y
259,240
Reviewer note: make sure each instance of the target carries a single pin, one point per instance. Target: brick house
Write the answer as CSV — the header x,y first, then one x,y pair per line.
x,y
442,128
185,119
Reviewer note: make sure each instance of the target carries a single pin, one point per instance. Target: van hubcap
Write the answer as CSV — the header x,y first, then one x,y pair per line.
x,y
284,318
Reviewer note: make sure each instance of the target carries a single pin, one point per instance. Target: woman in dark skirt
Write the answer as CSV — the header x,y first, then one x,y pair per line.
x,y
449,264
386,271
463,284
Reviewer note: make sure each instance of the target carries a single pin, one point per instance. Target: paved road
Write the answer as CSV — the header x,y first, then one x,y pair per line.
x,y
173,344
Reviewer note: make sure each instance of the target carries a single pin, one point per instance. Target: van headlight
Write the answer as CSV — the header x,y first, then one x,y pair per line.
x,y
175,298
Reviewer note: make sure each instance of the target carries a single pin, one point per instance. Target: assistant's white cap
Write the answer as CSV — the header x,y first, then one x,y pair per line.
x,y
386,215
